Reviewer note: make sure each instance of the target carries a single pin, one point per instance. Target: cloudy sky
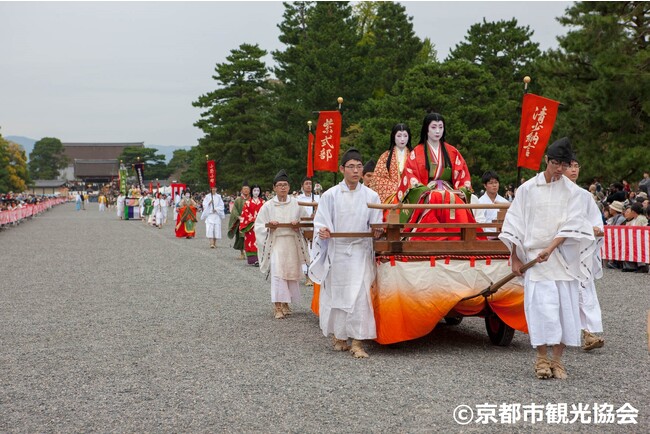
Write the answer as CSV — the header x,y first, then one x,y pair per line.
x,y
129,71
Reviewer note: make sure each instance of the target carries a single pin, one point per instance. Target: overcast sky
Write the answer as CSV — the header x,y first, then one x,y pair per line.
x,y
128,72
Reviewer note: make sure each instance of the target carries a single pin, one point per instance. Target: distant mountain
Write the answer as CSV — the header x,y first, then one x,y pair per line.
x,y
25,142
168,151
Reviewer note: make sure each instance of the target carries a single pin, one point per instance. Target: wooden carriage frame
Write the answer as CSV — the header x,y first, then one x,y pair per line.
x,y
395,241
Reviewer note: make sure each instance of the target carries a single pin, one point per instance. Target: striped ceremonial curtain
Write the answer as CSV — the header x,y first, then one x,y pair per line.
x,y
627,243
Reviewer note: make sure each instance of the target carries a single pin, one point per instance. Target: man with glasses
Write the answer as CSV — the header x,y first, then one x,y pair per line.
x,y
344,266
281,250
546,223
590,315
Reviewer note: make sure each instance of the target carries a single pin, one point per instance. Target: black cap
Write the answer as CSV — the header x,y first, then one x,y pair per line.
x,y
351,154
281,176
560,150
369,167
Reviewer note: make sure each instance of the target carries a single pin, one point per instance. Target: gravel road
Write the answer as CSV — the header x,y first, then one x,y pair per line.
x,y
115,326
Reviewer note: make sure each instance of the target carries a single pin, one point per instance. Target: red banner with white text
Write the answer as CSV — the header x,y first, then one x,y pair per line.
x,y
537,119
212,174
328,141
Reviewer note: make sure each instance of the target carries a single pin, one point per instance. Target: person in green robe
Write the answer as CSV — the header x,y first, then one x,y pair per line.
x,y
235,219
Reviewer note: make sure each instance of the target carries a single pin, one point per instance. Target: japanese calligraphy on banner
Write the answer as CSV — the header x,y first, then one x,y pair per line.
x,y
139,171
212,174
328,141
123,176
537,119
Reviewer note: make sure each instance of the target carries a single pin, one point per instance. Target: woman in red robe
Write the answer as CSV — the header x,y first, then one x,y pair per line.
x,y
186,217
434,172
247,224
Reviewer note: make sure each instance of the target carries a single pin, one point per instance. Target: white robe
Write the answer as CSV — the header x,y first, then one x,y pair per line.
x,y
282,251
302,197
120,205
344,267
213,213
488,215
539,213
159,205
590,314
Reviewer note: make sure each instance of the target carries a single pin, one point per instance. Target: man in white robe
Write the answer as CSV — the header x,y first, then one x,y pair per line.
x,y
213,213
491,184
546,223
281,251
307,195
345,267
159,207
121,199
590,314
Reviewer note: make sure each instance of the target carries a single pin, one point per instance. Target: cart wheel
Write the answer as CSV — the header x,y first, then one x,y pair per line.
x,y
453,320
499,332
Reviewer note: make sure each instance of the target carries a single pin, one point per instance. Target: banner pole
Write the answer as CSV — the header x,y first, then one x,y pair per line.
x,y
518,181
340,101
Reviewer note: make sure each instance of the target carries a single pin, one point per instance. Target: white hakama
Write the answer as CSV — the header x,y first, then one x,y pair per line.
x,y
540,213
159,205
344,267
120,206
590,314
552,312
281,252
213,213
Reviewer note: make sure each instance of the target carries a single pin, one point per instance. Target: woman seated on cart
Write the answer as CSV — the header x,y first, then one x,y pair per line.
x,y
434,173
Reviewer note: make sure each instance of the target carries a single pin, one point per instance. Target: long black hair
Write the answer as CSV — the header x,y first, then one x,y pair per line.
x,y
424,135
396,129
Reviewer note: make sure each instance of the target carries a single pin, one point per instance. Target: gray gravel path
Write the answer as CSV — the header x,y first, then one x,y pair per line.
x,y
114,326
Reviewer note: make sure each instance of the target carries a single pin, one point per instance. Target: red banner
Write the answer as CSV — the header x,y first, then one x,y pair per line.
x,y
537,119
627,243
212,173
310,156
150,187
328,141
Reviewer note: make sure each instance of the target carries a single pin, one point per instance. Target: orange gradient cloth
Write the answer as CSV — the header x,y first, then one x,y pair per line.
x,y
410,298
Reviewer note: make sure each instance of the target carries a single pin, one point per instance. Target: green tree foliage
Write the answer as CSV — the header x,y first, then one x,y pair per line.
x,y
464,94
13,167
503,49
155,167
390,45
47,158
601,75
482,111
234,120
180,161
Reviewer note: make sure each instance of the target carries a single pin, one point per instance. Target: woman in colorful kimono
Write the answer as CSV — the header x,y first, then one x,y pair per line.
x,y
247,225
435,171
186,219
391,164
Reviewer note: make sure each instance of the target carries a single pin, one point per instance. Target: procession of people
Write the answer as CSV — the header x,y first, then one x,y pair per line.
x,y
545,224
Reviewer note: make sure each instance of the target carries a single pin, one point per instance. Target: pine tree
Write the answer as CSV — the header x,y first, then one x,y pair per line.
x,y
600,73
234,120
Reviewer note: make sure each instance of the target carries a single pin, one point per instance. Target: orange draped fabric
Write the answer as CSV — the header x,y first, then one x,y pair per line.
x,y
409,299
